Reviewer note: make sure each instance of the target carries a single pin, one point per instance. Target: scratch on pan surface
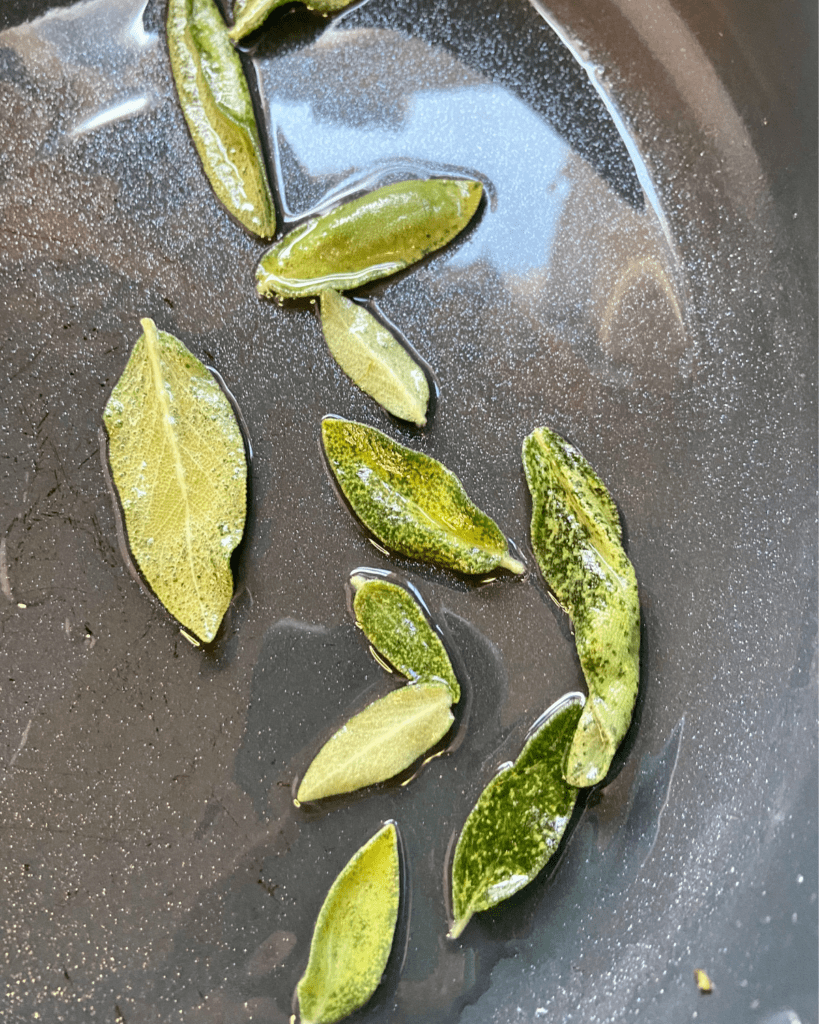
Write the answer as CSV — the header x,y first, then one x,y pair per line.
x,y
5,582
23,741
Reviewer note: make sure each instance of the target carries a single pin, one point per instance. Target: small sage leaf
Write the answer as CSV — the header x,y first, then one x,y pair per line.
x,y
410,502
354,932
178,463
251,14
395,625
381,741
373,236
373,358
215,99
518,821
577,541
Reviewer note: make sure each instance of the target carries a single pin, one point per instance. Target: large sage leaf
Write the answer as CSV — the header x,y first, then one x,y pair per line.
x,y
353,935
395,625
373,358
577,541
410,502
251,14
518,821
381,741
178,463
373,236
215,99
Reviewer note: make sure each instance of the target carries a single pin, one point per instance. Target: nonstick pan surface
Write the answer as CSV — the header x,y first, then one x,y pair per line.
x,y
641,278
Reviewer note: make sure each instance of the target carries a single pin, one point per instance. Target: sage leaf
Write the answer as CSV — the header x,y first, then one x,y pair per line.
x,y
373,236
373,358
410,502
178,463
577,541
354,932
518,821
380,741
251,14
395,625
215,99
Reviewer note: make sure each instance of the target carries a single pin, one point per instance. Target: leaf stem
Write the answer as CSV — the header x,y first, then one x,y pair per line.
x,y
512,564
459,925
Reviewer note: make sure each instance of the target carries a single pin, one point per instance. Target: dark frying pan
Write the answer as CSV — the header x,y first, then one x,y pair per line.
x,y
642,279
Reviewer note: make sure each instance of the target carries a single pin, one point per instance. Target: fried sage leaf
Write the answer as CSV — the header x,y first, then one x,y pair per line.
x,y
216,103
381,741
577,541
373,358
178,462
410,502
251,14
354,931
395,625
373,236
518,821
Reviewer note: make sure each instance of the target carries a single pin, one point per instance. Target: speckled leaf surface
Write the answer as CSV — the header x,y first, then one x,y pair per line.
x,y
215,100
381,741
373,358
518,821
395,625
251,14
411,503
354,931
371,237
577,541
178,462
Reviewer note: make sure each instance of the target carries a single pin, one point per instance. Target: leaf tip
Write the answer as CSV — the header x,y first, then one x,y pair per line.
x,y
581,769
389,832
267,230
331,425
303,793
265,282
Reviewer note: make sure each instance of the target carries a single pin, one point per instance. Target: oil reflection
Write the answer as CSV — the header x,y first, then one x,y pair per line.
x,y
588,269
103,83
460,122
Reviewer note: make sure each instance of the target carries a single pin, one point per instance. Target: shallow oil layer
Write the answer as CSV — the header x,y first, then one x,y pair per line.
x,y
155,868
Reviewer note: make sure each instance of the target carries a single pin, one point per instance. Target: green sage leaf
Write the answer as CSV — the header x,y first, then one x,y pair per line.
x,y
410,502
178,463
518,821
577,541
373,358
395,625
381,741
354,932
215,99
373,236
251,14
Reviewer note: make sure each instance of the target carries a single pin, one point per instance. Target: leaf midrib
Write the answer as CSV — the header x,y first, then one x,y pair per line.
x,y
152,347
501,855
458,540
423,710
377,360
598,537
